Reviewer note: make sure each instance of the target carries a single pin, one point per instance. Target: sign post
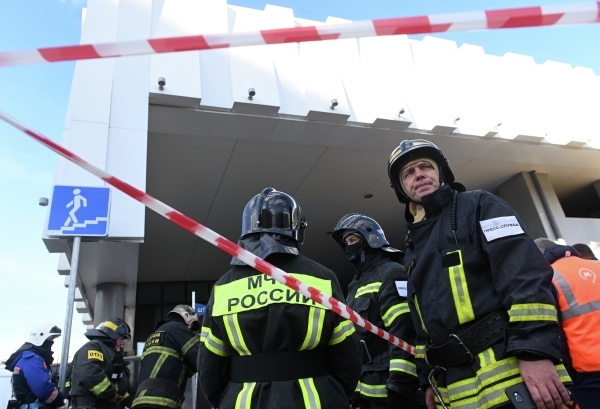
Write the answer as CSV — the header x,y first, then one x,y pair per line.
x,y
76,211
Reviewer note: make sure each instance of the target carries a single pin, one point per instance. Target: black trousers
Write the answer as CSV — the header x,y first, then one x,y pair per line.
x,y
369,404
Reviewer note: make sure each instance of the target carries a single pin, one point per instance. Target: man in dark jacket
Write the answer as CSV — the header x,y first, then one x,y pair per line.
x,y
169,359
265,346
98,376
378,293
478,291
32,382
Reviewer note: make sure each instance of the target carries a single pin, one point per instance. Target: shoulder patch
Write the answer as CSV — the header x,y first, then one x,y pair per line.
x,y
402,288
92,354
500,227
155,339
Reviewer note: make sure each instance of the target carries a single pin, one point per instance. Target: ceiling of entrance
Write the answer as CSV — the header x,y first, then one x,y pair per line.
x,y
209,164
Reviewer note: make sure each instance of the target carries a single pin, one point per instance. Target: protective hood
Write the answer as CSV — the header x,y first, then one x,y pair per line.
x,y
264,244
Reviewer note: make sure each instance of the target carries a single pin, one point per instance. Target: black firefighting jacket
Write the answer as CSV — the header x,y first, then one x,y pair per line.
x,y
491,265
96,376
250,314
378,294
169,353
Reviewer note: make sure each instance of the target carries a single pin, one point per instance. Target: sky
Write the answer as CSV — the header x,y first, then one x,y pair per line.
x,y
31,289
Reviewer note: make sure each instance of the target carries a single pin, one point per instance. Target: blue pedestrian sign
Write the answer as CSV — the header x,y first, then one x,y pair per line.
x,y
79,211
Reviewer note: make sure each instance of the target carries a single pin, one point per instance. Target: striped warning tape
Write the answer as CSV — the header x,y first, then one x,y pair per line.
x,y
212,237
577,13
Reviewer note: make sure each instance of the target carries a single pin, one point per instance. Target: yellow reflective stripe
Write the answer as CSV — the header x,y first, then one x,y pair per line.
x,y
419,313
369,288
532,312
190,344
394,312
562,373
420,351
259,291
68,384
460,291
214,344
124,396
232,326
374,391
316,316
244,398
156,401
309,393
488,375
342,331
403,365
204,333
487,357
159,363
161,350
101,387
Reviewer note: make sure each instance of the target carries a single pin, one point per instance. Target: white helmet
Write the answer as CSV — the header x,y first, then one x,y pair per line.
x,y
43,331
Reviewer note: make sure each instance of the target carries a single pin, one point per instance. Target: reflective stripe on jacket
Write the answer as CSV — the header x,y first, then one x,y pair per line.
x,y
249,313
577,283
170,353
489,263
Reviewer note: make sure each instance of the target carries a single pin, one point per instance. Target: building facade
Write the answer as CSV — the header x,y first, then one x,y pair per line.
x,y
320,126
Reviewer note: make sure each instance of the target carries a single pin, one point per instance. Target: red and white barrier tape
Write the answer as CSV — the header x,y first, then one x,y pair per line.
x,y
577,13
212,237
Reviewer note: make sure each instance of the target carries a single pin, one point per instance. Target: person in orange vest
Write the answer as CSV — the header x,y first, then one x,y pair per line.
x,y
577,284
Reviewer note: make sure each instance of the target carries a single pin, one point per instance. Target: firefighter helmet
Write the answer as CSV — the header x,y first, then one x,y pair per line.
x,y
410,150
188,314
368,229
111,328
41,332
272,211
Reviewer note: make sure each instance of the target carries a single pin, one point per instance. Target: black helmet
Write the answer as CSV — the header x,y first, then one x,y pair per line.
x,y
272,211
368,228
111,328
411,150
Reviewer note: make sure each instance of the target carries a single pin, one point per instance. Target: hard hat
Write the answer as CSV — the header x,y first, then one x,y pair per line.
x,y
411,150
111,328
188,314
366,227
272,211
43,331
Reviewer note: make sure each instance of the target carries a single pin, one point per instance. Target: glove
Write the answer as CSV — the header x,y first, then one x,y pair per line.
x,y
65,404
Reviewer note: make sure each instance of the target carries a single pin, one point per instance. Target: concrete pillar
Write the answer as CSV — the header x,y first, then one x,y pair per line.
x,y
110,301
521,194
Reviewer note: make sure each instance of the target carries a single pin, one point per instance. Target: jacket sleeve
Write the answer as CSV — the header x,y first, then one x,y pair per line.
x,y
93,375
188,344
343,350
212,358
522,279
395,315
36,374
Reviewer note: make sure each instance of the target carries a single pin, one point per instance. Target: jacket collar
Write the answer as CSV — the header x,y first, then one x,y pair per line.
x,y
432,203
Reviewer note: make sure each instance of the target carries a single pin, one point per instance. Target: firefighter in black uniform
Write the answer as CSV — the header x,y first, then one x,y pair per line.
x,y
98,376
478,291
169,359
378,293
265,346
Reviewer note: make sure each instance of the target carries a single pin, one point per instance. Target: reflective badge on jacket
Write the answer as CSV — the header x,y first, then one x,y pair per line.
x,y
500,227
402,288
95,355
155,339
258,291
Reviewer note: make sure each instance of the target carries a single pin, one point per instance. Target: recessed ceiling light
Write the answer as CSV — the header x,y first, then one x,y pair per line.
x,y
368,196
328,232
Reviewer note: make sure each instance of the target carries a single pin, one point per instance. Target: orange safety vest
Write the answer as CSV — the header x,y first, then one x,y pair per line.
x,y
577,282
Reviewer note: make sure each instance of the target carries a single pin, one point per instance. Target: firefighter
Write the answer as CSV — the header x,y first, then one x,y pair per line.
x,y
378,293
169,359
98,376
32,378
265,346
478,290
